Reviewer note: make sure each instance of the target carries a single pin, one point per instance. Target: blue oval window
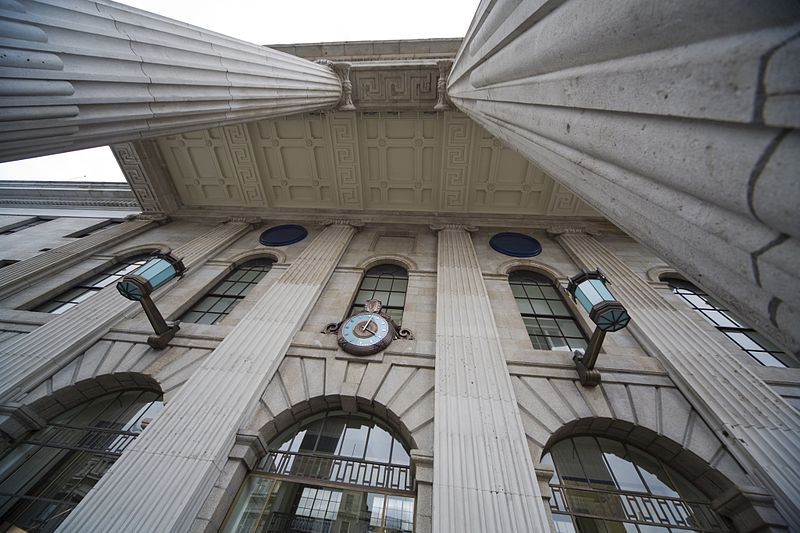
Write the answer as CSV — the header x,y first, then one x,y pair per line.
x,y
515,244
283,235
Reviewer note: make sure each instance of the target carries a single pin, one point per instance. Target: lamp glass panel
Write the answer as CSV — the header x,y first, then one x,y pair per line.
x,y
601,289
582,298
157,272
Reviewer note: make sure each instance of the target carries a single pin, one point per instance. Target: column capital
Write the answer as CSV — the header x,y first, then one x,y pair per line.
x,y
160,218
442,102
354,222
464,227
252,221
342,69
557,231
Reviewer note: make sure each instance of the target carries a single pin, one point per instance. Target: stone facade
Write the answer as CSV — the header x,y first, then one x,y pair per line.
x,y
638,401
413,154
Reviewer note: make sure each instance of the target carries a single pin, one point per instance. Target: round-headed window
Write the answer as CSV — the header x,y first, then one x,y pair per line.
x,y
605,485
337,472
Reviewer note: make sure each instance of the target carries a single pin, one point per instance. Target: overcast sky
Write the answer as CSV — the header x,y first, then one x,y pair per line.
x,y
269,22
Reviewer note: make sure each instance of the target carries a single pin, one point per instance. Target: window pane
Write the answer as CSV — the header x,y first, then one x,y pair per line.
x,y
354,440
379,446
550,293
369,283
518,291
330,435
524,306
384,284
625,474
397,299
558,308
569,328
382,296
362,297
533,291
400,284
205,303
540,307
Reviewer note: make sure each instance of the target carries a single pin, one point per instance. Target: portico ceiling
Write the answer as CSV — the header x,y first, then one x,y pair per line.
x,y
407,161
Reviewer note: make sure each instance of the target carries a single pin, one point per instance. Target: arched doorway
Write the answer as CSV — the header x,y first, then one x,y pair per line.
x,y
602,485
337,472
44,475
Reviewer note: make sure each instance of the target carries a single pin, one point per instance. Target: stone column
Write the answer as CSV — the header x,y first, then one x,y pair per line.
x,y
32,358
91,73
681,132
483,475
171,468
757,425
17,276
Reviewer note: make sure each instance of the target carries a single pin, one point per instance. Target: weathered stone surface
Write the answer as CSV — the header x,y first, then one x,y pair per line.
x,y
96,73
657,120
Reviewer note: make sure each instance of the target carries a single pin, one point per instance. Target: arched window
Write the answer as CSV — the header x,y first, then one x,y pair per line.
x,y
220,301
748,339
605,485
550,323
387,283
45,475
338,472
86,289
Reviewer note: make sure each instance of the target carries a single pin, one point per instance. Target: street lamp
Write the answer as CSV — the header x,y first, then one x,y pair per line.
x,y
589,289
139,284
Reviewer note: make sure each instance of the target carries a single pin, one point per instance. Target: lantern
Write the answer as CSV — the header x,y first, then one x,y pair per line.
x,y
139,284
589,289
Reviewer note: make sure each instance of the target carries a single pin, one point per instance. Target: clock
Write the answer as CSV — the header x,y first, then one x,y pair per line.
x,y
367,332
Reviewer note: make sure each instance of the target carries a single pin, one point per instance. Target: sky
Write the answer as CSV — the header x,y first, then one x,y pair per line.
x,y
268,22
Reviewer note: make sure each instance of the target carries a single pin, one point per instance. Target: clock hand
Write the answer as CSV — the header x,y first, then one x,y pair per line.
x,y
364,327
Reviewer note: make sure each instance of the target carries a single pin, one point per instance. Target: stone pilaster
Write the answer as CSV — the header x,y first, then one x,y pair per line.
x,y
758,426
171,468
32,358
19,275
82,74
483,475
682,134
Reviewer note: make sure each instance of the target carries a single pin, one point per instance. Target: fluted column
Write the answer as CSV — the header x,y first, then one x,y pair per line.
x,y
17,276
171,468
757,425
483,475
90,73
681,132
34,357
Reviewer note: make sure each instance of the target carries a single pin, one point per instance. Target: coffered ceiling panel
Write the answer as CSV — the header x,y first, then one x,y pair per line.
x,y
372,161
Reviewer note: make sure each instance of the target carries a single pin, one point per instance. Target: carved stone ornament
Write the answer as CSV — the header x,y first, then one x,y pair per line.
x,y
342,69
442,103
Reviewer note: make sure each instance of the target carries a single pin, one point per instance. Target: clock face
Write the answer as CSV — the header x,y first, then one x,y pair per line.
x,y
365,334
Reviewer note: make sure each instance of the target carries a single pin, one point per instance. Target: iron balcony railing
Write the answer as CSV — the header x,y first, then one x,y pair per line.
x,y
100,440
339,470
636,507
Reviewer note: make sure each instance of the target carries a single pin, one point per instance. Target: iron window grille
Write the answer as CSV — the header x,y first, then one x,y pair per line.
x,y
220,300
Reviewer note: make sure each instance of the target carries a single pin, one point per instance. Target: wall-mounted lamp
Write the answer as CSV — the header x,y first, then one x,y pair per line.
x,y
589,289
139,284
